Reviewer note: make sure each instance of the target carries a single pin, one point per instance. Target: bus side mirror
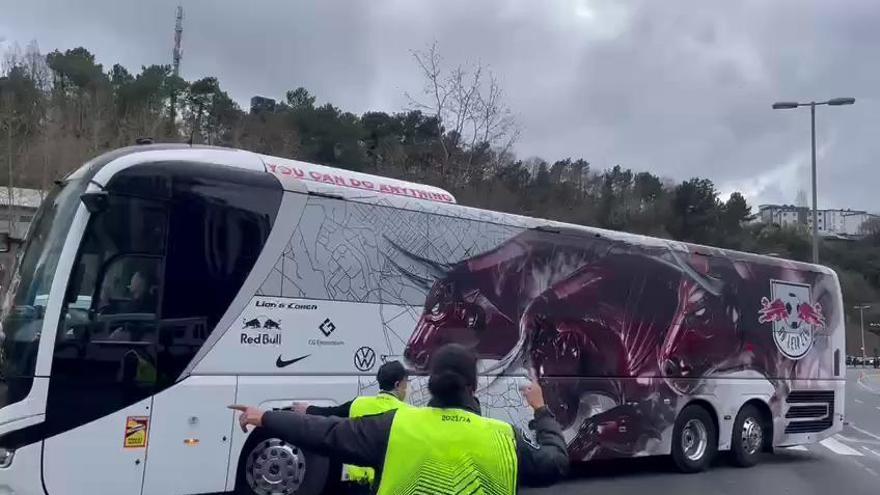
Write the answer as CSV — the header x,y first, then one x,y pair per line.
x,y
95,202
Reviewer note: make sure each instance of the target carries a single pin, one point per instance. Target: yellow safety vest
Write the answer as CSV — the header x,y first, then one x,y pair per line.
x,y
368,406
448,451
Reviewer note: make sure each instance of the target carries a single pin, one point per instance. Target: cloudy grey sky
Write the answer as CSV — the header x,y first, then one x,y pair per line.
x,y
680,88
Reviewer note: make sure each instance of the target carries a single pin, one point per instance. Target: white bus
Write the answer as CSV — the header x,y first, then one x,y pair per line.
x,y
161,283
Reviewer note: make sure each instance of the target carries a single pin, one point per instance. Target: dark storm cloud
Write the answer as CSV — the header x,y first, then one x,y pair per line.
x,y
681,88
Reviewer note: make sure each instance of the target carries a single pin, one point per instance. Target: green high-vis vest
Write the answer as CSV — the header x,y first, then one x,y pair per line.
x,y
367,406
448,451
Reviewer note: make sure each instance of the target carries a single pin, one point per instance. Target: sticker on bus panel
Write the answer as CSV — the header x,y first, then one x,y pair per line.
x,y
136,432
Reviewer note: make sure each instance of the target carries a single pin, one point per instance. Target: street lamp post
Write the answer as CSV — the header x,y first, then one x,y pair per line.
x,y
784,105
862,308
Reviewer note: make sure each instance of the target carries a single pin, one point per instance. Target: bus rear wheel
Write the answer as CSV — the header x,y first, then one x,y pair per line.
x,y
694,440
271,466
749,436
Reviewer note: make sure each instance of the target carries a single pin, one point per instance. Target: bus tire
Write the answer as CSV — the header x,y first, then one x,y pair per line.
x,y
269,465
749,436
694,439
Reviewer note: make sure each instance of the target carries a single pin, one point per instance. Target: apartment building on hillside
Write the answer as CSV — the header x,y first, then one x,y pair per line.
x,y
832,222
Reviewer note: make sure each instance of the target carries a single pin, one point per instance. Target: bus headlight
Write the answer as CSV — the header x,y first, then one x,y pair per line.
x,y
6,457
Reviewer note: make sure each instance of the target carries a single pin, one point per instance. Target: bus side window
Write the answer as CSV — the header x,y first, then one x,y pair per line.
x,y
216,231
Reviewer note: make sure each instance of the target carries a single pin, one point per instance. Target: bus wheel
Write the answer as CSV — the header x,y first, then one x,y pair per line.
x,y
271,466
694,440
749,436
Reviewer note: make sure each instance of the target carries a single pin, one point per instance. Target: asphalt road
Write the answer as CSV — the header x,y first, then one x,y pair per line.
x,y
845,464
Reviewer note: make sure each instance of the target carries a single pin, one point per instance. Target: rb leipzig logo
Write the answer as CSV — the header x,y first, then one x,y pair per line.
x,y
794,316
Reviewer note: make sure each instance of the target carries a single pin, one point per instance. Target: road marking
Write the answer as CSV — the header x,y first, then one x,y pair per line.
x,y
839,448
799,448
848,439
858,401
869,389
872,451
864,432
865,386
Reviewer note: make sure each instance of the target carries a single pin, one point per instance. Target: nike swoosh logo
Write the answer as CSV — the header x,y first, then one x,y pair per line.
x,y
281,363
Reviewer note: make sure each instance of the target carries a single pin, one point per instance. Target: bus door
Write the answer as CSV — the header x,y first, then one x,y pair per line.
x,y
159,265
104,373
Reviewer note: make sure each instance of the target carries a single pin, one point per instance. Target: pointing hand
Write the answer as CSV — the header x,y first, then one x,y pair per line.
x,y
250,416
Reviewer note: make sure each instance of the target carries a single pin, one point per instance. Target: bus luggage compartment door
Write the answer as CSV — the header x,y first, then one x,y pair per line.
x,y
191,433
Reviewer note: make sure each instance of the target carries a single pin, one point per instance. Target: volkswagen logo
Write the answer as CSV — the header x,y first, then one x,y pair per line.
x,y
364,358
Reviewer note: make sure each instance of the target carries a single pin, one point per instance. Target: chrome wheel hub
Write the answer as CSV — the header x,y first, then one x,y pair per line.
x,y
752,435
694,440
275,467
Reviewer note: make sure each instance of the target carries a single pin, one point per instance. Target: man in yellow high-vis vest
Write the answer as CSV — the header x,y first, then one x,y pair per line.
x,y
393,385
441,449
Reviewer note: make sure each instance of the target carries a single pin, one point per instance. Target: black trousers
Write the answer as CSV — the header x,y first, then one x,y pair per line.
x,y
335,485
349,488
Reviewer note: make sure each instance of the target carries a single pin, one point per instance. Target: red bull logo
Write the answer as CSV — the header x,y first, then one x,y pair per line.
x,y
793,317
779,310
811,314
772,311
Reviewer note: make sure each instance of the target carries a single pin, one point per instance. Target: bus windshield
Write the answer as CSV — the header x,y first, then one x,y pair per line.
x,y
25,301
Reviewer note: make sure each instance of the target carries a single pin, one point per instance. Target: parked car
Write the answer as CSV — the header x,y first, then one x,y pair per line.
x,y
849,360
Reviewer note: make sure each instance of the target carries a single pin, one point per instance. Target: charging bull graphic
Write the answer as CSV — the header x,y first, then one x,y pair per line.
x,y
616,333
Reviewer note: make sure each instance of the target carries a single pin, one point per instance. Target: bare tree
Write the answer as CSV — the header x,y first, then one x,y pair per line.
x,y
469,107
41,76
12,58
8,123
38,69
11,121
435,89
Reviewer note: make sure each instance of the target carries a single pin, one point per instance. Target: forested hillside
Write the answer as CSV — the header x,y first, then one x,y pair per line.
x,y
59,109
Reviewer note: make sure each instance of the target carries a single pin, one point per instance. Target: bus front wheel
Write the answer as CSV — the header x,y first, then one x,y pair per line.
x,y
694,439
271,466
